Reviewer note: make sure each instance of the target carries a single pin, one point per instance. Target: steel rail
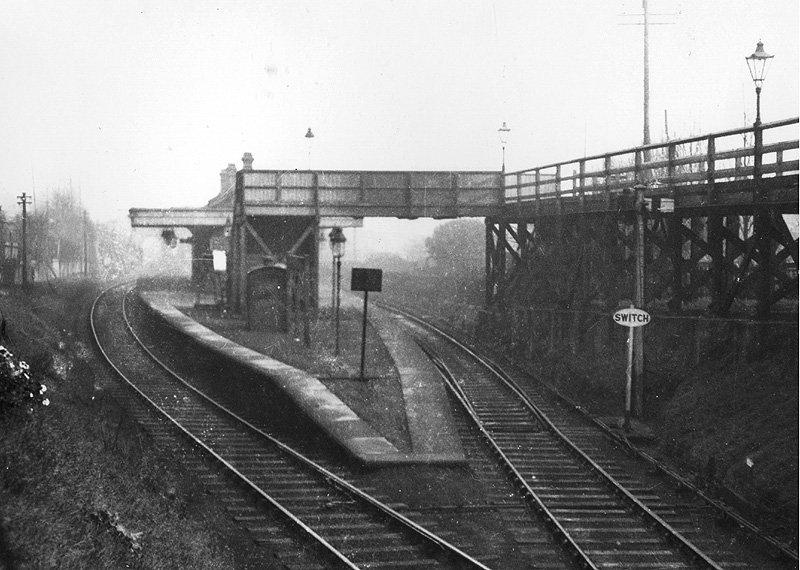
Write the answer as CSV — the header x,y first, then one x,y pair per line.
x,y
206,449
631,449
615,486
519,479
336,481
679,479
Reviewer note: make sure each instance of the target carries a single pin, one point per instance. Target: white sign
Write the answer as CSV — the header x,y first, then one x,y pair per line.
x,y
631,317
220,259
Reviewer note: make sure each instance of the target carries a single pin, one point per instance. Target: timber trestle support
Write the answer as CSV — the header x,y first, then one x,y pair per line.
x,y
719,227
696,260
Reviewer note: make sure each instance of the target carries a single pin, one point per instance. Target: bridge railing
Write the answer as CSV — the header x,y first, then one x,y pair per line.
x,y
675,165
370,193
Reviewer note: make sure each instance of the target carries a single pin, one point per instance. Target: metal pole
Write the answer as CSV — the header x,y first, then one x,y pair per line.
x,y
626,424
364,335
338,299
758,106
762,224
638,334
333,283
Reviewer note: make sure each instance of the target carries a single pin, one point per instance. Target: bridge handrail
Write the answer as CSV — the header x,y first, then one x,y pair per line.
x,y
653,146
658,164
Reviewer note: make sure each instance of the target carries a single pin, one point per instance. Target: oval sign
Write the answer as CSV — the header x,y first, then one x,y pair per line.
x,y
631,317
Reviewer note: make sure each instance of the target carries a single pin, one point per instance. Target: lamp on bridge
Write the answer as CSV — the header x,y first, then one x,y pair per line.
x,y
758,63
309,139
503,132
337,249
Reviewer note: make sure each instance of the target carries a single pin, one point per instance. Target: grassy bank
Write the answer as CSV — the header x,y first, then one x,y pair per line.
x,y
81,485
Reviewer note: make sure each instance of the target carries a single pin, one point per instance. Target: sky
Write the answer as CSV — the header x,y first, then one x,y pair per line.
x,y
141,103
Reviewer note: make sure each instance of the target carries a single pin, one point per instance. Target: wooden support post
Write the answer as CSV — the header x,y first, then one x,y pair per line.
x,y
313,269
715,225
559,205
611,258
241,305
502,245
715,242
675,239
489,283
762,228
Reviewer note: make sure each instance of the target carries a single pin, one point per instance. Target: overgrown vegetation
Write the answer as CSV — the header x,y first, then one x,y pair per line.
x,y
18,389
81,485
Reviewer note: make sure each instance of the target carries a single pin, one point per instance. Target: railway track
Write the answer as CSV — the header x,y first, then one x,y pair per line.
x,y
607,509
263,479
281,496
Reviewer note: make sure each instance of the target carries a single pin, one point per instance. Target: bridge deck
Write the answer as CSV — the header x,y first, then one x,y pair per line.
x,y
732,169
370,194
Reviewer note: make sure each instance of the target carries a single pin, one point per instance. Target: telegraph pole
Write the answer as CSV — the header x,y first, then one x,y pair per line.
x,y
24,200
646,23
646,137
638,293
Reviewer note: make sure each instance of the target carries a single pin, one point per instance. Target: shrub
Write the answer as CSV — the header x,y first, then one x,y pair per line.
x,y
18,389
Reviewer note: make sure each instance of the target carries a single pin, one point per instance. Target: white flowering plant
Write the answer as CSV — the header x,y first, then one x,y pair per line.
x,y
18,388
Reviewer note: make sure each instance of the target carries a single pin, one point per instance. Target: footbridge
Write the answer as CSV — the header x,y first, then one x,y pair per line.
x,y
708,212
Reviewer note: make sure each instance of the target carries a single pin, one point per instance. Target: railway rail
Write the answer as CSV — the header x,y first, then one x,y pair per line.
x,y
348,527
608,510
567,495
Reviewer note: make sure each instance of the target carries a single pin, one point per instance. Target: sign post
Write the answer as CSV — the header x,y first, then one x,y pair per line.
x,y
631,318
365,280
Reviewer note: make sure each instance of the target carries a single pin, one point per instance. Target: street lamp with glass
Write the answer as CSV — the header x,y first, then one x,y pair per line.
x,y
758,63
337,249
503,132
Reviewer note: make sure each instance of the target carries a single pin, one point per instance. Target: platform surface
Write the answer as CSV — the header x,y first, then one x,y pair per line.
x,y
434,439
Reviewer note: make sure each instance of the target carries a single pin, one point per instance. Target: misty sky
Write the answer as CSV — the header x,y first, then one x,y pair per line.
x,y
142,103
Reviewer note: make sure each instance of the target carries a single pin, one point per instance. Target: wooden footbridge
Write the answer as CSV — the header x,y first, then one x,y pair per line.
x,y
710,212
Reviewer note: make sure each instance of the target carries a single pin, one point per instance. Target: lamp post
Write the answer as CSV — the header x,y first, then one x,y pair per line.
x,y
503,133
758,63
337,249
309,140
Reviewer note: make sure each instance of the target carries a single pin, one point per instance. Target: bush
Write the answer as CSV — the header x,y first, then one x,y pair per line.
x,y
18,389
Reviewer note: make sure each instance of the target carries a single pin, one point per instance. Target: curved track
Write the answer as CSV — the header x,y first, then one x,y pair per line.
x,y
349,528
607,510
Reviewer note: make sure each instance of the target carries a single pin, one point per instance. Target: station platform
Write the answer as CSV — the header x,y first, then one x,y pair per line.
x,y
434,438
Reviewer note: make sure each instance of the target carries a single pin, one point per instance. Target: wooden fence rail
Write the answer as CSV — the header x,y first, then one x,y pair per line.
x,y
672,166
